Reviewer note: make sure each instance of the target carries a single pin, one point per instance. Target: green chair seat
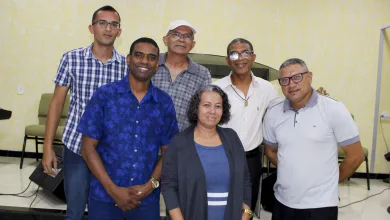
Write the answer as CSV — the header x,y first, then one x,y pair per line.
x,y
39,131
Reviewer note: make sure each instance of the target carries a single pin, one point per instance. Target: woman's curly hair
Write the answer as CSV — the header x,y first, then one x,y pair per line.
x,y
193,108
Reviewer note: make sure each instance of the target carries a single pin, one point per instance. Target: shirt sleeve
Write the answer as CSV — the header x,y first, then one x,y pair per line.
x,y
169,177
269,137
343,125
273,97
207,80
63,77
91,123
170,121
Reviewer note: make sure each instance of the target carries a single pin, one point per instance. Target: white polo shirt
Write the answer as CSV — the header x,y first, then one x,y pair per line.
x,y
247,120
308,140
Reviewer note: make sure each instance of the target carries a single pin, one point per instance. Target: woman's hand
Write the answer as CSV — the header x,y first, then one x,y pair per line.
x,y
245,216
176,214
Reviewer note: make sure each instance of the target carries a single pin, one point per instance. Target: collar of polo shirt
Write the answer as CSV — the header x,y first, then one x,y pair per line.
x,y
312,102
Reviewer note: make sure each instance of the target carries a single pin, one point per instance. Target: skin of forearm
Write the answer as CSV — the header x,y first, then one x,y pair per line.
x,y
273,157
53,119
157,169
348,167
176,214
96,166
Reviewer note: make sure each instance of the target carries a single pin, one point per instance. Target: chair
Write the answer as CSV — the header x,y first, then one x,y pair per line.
x,y
258,204
341,156
37,131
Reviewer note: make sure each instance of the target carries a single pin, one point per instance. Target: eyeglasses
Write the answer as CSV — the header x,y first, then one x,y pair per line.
x,y
104,23
295,78
234,55
176,36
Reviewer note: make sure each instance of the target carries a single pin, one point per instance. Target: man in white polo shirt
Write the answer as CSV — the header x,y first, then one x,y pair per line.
x,y
302,135
249,97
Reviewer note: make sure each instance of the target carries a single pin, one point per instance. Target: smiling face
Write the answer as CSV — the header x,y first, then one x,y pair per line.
x,y
143,61
242,65
210,109
298,93
179,44
105,36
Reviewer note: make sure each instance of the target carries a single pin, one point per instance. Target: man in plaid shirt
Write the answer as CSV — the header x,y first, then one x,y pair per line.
x,y
177,74
82,71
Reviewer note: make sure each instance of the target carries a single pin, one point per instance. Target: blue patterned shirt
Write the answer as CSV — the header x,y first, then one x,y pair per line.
x,y
130,134
80,70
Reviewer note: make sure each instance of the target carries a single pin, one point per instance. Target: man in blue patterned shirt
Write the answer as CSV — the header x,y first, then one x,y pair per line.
x,y
81,71
178,74
124,126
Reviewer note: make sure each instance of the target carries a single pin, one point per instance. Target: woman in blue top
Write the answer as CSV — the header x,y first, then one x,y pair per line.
x,y
205,174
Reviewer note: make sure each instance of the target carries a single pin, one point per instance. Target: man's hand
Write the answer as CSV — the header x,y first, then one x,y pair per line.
x,y
125,198
142,190
49,160
322,91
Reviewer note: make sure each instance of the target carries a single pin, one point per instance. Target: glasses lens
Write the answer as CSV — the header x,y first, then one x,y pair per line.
x,y
102,23
233,56
188,36
175,35
115,25
284,81
297,77
246,54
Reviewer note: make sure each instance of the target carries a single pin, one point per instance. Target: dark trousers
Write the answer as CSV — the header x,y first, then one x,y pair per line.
x,y
107,211
255,167
282,212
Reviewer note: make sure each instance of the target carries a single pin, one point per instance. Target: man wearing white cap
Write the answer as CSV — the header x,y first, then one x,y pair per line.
x,y
178,74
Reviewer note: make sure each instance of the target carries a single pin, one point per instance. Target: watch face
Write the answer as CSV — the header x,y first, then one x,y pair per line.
x,y
155,184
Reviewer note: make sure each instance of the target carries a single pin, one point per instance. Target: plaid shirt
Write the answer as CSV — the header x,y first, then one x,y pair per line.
x,y
80,70
183,88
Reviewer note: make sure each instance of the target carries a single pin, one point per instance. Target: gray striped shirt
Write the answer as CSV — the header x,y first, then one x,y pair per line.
x,y
183,87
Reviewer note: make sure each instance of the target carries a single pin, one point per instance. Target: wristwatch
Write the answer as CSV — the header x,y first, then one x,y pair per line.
x,y
248,211
155,183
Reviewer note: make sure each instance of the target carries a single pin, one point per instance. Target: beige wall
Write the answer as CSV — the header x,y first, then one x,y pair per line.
x,y
337,39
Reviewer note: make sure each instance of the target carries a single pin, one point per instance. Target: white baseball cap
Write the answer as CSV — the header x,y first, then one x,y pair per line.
x,y
174,24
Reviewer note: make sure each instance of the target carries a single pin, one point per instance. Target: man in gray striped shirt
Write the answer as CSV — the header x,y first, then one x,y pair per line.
x,y
178,74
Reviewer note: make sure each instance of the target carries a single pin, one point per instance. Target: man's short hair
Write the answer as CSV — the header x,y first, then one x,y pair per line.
x,y
144,40
105,8
293,61
239,40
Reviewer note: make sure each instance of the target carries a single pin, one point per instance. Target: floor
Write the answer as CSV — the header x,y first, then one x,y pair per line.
x,y
14,180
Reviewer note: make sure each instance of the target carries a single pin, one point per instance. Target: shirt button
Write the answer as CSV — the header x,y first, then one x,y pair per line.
x,y
135,150
135,135
136,122
131,179
133,165
137,106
